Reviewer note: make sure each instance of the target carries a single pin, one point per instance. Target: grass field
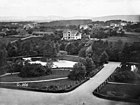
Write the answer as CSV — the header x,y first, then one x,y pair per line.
x,y
49,86
55,74
7,40
122,91
59,83
124,39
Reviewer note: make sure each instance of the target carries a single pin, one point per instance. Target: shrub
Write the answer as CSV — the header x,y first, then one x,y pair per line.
x,y
124,76
34,70
52,88
15,66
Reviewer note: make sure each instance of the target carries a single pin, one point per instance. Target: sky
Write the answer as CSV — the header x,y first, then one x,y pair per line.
x,y
68,8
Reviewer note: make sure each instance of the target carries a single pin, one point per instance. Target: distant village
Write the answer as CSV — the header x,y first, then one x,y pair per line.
x,y
85,30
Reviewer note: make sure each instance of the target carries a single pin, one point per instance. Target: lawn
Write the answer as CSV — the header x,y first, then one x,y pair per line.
x,y
55,74
57,86
61,84
121,91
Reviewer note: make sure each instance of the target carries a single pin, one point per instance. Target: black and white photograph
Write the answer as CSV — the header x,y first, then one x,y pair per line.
x,y
69,52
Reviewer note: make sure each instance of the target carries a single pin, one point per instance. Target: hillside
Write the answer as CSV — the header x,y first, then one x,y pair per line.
x,y
133,18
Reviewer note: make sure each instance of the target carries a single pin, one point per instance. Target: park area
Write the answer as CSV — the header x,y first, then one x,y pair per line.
x,y
55,74
35,75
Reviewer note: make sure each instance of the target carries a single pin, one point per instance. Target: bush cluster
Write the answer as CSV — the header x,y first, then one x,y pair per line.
x,y
78,72
123,75
34,70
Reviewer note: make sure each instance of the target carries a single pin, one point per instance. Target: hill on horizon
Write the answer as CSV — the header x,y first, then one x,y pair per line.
x,y
133,18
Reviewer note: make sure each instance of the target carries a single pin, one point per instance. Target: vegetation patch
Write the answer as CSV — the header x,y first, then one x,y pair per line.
x,y
57,86
125,74
6,40
53,75
123,84
123,91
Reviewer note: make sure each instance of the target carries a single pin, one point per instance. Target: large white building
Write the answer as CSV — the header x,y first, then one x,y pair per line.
x,y
71,35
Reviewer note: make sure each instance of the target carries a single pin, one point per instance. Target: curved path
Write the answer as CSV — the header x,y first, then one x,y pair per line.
x,y
80,96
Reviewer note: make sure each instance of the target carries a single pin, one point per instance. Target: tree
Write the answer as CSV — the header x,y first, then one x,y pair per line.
x,y
124,76
58,35
70,48
104,58
114,50
98,47
49,49
78,72
98,33
12,50
82,52
27,48
15,66
34,70
3,54
62,46
90,66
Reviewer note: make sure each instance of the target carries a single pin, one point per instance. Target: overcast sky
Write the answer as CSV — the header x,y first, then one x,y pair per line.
x,y
68,8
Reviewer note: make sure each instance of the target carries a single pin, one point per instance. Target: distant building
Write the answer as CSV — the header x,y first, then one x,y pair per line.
x,y
71,35
114,25
84,27
123,23
21,31
30,26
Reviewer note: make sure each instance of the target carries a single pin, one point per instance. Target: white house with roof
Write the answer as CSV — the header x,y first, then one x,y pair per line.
x,y
71,35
